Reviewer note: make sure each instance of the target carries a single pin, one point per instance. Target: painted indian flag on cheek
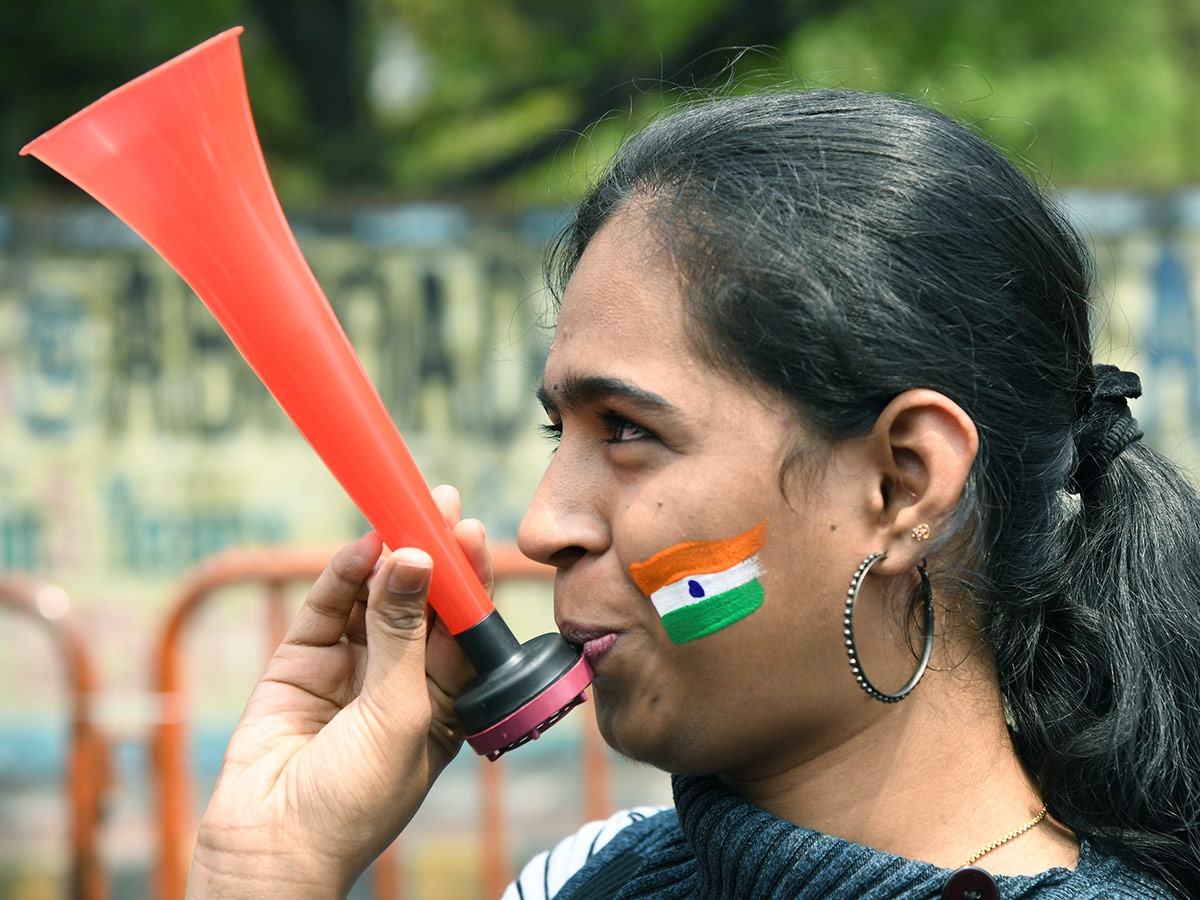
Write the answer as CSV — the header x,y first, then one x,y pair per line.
x,y
702,586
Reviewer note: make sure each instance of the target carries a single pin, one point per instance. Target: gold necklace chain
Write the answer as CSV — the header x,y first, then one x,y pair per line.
x,y
1015,833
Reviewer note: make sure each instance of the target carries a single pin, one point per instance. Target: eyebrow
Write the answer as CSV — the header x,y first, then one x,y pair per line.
x,y
574,392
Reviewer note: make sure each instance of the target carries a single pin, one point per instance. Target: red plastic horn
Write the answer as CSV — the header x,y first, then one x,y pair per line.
x,y
175,155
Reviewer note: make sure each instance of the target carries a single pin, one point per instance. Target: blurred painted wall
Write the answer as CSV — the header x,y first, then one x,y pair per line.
x,y
134,441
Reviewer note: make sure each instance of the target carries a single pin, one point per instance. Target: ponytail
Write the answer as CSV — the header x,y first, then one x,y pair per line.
x,y
1106,707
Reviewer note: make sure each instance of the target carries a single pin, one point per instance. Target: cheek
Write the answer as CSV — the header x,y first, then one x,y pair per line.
x,y
760,683
668,714
701,586
798,638
707,706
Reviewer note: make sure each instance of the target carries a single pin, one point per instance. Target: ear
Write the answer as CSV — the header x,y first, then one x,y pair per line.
x,y
924,447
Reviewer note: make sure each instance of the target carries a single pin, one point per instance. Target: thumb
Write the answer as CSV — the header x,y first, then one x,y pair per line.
x,y
396,629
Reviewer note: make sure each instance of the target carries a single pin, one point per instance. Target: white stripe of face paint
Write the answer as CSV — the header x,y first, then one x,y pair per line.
x,y
678,594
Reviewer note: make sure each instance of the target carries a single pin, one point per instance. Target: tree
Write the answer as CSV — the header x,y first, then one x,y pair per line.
x,y
516,98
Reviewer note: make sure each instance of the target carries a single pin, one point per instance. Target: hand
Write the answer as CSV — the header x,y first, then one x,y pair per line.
x,y
346,731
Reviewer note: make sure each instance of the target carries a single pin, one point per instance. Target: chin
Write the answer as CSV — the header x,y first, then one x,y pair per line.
x,y
634,735
642,736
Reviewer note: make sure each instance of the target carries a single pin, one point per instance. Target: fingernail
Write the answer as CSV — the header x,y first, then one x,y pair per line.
x,y
408,577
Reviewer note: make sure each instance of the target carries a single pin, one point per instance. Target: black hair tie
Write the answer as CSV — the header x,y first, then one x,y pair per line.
x,y
1106,427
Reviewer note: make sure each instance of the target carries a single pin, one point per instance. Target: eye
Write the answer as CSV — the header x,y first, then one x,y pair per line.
x,y
551,431
622,430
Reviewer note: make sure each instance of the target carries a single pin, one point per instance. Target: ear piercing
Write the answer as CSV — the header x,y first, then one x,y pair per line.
x,y
920,533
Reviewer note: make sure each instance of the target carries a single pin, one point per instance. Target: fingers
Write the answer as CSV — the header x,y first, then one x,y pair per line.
x,y
446,664
395,623
323,617
399,623
468,532
449,502
472,539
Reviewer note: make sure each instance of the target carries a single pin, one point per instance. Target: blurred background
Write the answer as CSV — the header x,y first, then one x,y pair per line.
x,y
425,151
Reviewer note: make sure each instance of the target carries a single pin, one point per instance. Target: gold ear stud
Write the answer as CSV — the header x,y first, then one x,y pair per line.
x,y
921,532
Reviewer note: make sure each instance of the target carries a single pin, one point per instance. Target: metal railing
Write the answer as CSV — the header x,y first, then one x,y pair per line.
x,y
88,775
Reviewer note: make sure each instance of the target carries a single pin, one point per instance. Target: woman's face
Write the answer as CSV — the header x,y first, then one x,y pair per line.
x,y
658,448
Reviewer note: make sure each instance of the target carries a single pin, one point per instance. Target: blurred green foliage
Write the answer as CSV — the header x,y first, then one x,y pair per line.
x,y
516,101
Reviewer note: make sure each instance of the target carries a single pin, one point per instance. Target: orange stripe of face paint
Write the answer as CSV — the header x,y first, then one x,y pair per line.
x,y
695,558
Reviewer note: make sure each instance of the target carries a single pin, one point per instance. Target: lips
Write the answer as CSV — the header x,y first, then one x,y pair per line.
x,y
597,647
596,642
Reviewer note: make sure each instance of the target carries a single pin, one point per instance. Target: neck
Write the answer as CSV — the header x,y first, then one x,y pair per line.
x,y
934,777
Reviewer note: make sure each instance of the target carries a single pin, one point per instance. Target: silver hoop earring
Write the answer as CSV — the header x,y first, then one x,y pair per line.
x,y
848,632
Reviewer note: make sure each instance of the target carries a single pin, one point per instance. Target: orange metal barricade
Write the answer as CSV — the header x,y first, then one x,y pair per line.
x,y
276,569
88,774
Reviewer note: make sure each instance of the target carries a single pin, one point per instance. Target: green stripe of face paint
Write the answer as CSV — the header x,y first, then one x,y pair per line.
x,y
713,613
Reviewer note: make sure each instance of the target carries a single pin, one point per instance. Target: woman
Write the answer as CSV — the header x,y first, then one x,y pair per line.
x,y
862,546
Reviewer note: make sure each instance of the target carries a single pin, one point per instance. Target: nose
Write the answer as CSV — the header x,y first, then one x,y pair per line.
x,y
565,520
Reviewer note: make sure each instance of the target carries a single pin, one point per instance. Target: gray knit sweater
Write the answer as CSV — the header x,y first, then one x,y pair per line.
x,y
715,846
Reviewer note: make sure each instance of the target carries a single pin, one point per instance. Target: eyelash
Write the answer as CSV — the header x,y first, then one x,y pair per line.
x,y
617,423
613,423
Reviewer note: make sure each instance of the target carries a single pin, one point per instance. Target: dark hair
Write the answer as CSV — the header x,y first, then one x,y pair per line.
x,y
843,247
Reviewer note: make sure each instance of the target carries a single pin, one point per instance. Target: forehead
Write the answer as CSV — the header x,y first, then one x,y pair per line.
x,y
622,312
